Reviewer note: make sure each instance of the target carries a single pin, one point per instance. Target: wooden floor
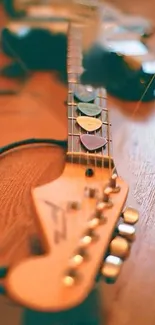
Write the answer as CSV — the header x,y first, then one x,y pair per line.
x,y
39,112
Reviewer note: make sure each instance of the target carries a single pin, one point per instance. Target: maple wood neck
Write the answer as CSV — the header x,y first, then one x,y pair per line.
x,y
74,130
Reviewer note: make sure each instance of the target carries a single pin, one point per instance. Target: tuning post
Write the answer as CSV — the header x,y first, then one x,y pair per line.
x,y
88,237
98,217
79,257
120,247
93,223
130,216
70,277
113,184
127,231
106,197
111,268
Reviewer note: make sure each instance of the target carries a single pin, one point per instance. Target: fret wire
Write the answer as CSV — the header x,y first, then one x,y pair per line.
x,y
73,70
78,134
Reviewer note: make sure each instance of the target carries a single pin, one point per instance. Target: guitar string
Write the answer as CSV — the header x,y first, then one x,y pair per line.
x,y
109,148
74,67
70,98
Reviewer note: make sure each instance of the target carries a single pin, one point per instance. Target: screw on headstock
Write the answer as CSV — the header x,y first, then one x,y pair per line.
x,y
113,184
130,216
74,205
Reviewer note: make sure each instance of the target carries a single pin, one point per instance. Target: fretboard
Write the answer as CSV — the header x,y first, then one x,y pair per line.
x,y
74,130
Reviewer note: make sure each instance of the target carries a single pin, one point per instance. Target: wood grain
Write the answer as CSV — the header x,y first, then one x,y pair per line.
x,y
39,112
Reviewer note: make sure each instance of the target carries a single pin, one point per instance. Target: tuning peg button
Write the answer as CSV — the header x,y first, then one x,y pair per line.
x,y
127,231
111,268
130,216
120,247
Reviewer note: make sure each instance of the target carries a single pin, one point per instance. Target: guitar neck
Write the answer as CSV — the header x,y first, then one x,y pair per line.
x,y
74,130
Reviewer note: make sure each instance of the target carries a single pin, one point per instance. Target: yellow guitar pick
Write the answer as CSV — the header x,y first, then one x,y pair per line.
x,y
89,124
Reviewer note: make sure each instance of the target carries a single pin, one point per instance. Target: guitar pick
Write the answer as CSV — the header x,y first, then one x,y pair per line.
x,y
89,109
89,124
84,93
92,142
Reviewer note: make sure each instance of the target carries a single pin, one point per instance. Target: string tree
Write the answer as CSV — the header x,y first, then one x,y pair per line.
x,y
74,205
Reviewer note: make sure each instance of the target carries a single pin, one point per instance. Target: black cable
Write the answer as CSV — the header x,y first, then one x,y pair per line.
x,y
61,143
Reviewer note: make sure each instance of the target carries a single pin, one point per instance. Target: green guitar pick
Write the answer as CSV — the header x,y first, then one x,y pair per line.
x,y
89,109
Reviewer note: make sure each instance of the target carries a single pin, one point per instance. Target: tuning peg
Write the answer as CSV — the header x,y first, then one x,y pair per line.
x,y
36,247
113,184
130,216
106,197
127,231
120,247
111,268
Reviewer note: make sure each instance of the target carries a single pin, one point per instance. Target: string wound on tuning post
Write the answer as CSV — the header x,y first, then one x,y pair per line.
x,y
106,197
113,184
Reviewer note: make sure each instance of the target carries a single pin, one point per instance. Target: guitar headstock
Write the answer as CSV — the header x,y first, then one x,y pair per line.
x,y
77,220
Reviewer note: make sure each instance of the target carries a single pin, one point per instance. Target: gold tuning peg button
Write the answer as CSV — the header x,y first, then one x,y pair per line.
x,y
127,231
130,216
111,268
120,247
